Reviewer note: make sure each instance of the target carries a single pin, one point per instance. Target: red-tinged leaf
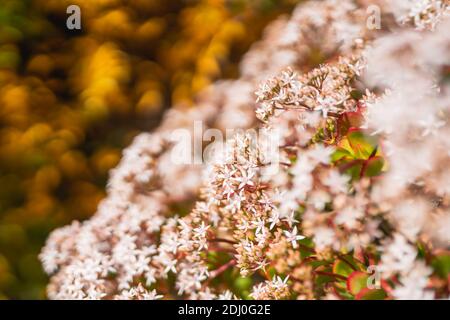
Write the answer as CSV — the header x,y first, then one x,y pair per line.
x,y
355,119
342,292
348,121
371,294
345,149
356,145
362,145
357,281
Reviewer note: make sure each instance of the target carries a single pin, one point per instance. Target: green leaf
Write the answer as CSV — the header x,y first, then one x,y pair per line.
x,y
342,268
318,263
344,151
374,166
340,154
356,94
321,280
362,145
243,283
343,293
353,263
357,281
441,265
305,244
355,170
371,294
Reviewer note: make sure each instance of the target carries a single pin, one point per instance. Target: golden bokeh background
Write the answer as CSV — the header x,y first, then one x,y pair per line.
x,y
70,100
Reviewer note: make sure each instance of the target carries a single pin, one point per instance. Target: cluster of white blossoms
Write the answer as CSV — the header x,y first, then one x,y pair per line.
x,y
360,181
271,290
326,89
423,14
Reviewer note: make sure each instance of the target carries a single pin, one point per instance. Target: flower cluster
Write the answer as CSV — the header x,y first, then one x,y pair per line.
x,y
356,205
326,89
423,14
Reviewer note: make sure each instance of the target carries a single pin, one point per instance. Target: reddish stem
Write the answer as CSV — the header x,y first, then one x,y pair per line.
x,y
223,240
222,268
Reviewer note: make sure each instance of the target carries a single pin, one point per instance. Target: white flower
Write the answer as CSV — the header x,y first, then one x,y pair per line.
x,y
293,237
320,153
337,182
319,199
169,263
324,237
274,218
266,202
243,225
261,264
150,276
200,232
235,202
398,256
260,226
226,295
206,294
152,295
413,285
279,283
246,178
138,293
430,125
290,219
257,291
349,217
